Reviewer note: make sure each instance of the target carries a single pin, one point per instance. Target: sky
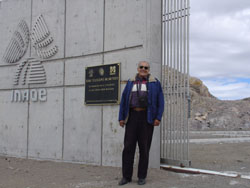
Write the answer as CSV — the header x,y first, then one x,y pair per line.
x,y
220,46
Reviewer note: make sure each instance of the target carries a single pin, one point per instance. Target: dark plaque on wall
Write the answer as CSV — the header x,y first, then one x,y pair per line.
x,y
102,84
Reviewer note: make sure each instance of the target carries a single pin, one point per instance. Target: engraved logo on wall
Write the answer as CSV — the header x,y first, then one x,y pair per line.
x,y
42,40
18,44
30,71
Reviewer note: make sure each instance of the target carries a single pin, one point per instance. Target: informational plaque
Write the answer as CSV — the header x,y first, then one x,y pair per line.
x,y
102,84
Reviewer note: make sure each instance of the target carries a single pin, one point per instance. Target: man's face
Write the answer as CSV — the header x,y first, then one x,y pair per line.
x,y
143,69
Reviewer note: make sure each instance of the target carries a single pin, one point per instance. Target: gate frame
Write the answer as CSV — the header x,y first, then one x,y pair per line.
x,y
175,61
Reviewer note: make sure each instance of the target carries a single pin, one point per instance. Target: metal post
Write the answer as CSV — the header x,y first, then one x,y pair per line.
x,y
182,83
188,8
171,80
168,81
163,129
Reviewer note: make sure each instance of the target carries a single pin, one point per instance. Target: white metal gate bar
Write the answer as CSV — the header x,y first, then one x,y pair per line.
x,y
174,130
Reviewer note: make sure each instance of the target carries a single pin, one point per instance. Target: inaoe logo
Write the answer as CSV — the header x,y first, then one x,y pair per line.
x,y
33,95
30,71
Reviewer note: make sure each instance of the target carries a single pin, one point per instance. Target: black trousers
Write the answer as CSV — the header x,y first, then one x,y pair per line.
x,y
137,130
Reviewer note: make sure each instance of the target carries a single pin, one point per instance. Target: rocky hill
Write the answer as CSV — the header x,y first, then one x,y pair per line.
x,y
210,113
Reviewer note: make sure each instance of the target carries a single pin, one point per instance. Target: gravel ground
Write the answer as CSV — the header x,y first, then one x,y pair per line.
x,y
223,157
23,173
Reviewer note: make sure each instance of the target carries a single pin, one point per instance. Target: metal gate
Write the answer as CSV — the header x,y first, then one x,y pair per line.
x,y
175,75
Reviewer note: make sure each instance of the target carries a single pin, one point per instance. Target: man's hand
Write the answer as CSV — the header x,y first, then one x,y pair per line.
x,y
122,123
156,122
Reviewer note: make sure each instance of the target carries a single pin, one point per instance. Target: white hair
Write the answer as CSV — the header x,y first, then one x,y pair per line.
x,y
143,62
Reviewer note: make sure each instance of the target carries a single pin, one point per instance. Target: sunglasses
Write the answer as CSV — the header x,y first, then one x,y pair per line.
x,y
143,67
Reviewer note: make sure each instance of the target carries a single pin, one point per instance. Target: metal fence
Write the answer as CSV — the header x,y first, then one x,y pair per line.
x,y
175,74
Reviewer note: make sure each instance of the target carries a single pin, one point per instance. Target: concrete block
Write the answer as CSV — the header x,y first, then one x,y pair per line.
x,y
11,13
21,8
129,60
75,68
53,70
113,136
153,51
125,23
84,32
154,155
7,74
82,128
54,73
13,126
46,126
54,16
154,39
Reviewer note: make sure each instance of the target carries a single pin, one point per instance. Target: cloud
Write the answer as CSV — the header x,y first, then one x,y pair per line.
x,y
220,42
229,89
217,7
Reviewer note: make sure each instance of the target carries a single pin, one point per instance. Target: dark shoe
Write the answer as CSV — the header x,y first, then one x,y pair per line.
x,y
141,181
124,181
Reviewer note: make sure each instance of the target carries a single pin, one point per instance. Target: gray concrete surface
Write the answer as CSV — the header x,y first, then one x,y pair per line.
x,y
12,12
87,33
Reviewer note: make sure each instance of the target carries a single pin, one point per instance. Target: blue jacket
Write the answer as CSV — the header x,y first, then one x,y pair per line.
x,y
155,100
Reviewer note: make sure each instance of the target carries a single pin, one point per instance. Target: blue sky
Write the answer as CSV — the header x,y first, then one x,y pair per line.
x,y
220,46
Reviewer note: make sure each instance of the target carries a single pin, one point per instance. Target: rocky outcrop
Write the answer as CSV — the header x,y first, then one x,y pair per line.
x,y
198,88
209,113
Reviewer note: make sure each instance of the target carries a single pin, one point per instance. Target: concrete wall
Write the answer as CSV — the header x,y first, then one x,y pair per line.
x,y
87,33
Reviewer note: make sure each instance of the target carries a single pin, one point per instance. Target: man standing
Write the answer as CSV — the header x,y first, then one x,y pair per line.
x,y
141,109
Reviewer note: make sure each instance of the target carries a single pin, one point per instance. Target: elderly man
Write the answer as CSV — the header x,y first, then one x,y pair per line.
x,y
141,109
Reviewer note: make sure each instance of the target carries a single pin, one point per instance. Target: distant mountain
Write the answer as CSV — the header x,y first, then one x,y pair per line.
x,y
210,113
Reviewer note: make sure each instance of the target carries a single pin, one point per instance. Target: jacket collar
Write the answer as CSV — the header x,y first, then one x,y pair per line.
x,y
150,79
